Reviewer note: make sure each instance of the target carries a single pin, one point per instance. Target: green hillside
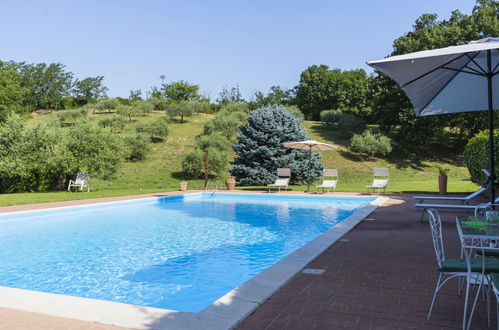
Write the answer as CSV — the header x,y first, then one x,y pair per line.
x,y
161,170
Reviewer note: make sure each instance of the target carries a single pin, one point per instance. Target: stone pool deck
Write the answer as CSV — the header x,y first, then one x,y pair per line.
x,y
380,275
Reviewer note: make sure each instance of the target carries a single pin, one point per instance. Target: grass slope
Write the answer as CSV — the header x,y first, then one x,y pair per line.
x,y
161,171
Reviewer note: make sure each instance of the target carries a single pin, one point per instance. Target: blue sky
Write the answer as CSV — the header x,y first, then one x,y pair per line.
x,y
255,43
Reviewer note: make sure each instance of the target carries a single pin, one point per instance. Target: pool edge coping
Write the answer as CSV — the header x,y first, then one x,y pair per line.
x,y
225,313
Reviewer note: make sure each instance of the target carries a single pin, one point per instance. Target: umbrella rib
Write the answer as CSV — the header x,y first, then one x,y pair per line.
x,y
439,91
433,70
494,72
473,69
478,65
477,73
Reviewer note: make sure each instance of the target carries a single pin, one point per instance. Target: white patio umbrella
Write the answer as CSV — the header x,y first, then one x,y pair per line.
x,y
310,145
448,80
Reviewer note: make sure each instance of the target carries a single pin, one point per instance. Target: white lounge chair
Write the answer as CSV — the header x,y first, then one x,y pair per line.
x,y
380,180
80,182
328,183
463,200
456,207
282,181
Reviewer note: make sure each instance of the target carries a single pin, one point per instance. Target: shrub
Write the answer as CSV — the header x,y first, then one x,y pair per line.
x,y
236,107
216,146
71,117
105,105
260,150
137,146
40,158
143,107
29,160
371,144
226,123
349,124
94,150
442,170
330,117
158,103
193,163
200,106
476,156
127,111
295,111
180,109
157,130
115,123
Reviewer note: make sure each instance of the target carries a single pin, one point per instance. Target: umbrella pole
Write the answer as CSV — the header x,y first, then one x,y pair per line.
x,y
309,164
492,178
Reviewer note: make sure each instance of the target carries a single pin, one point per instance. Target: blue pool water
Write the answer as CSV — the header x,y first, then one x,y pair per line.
x,y
179,253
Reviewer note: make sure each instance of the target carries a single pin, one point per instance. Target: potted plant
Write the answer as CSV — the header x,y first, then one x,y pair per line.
x,y
230,183
183,186
442,180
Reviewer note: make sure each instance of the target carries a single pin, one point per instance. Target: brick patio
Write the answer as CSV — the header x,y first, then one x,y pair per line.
x,y
381,275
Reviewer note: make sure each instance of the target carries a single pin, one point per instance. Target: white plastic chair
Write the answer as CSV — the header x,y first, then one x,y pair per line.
x,y
380,180
331,183
80,182
282,181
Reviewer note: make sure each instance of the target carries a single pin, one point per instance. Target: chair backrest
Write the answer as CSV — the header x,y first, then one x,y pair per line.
x,y
82,177
380,172
436,234
283,172
329,172
482,208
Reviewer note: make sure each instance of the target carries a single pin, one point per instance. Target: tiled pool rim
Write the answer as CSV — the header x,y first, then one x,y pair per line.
x,y
225,313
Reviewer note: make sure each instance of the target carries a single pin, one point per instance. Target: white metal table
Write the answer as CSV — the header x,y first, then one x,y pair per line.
x,y
474,238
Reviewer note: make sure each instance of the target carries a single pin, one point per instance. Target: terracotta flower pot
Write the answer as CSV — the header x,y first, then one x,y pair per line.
x,y
442,184
183,186
230,183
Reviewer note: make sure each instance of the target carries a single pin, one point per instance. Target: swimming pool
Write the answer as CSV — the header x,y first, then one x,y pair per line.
x,y
179,253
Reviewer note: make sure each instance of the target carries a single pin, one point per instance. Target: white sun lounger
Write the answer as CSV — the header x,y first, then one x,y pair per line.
x,y
80,182
328,184
463,200
380,180
282,181
456,207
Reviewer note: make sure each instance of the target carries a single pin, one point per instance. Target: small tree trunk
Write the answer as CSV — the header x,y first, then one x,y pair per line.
x,y
206,168
181,118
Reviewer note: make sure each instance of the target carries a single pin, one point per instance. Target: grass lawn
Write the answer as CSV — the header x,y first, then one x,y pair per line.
x,y
161,171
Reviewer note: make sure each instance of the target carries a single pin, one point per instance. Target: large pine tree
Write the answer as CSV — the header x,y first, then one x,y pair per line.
x,y
260,149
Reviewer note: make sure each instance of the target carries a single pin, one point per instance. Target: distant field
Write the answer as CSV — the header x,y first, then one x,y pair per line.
x,y
161,171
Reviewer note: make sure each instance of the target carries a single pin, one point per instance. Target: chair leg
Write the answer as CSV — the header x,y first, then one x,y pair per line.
x,y
488,302
497,313
422,215
435,295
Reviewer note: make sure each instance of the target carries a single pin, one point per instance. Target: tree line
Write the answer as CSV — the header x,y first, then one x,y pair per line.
x,y
373,98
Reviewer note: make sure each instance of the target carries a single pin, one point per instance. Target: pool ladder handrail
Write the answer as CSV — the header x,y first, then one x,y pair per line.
x,y
209,186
